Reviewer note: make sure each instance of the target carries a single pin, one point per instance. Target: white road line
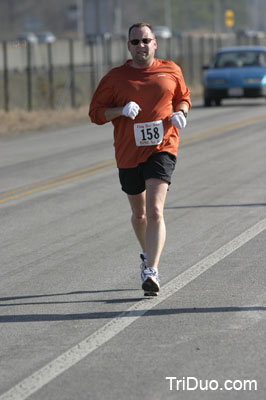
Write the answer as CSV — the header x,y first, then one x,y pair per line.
x,y
65,361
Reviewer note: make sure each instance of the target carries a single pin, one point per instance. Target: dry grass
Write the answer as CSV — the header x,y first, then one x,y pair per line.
x,y
18,121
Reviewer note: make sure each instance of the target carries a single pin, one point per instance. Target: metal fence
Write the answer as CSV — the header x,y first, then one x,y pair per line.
x,y
66,73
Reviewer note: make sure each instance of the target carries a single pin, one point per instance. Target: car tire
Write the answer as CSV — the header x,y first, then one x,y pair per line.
x,y
207,102
217,102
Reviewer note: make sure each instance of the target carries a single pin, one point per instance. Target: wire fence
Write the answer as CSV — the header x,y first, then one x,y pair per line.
x,y
66,73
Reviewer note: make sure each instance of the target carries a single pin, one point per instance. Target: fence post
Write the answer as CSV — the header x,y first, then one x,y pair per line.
x,y
168,48
6,89
72,73
191,59
29,77
92,67
106,48
50,75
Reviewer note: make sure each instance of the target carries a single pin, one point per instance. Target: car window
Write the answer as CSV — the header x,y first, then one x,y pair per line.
x,y
240,59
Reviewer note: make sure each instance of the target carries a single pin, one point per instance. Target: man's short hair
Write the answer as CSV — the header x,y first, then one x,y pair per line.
x,y
140,25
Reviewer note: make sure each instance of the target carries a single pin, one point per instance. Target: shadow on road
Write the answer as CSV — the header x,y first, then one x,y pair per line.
x,y
119,314
34,296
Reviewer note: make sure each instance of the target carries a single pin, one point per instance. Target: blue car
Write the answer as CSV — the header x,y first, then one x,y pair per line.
x,y
236,72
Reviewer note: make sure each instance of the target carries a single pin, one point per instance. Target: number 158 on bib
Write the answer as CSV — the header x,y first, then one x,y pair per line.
x,y
148,133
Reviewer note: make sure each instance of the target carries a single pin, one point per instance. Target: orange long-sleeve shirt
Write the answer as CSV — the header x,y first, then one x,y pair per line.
x,y
158,90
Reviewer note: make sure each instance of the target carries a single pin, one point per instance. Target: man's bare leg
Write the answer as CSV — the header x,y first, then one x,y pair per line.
x,y
147,219
138,218
156,190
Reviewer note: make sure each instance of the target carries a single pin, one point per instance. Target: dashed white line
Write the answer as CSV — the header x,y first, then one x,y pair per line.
x,y
43,376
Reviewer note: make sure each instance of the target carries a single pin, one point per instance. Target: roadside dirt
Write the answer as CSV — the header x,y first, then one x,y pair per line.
x,y
16,122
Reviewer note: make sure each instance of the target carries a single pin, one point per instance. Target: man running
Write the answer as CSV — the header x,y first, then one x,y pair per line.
x,y
147,101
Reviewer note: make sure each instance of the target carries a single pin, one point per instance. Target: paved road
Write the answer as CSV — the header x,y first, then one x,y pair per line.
x,y
74,323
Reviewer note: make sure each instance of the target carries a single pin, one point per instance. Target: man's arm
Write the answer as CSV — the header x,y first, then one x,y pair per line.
x,y
179,117
112,113
183,107
130,110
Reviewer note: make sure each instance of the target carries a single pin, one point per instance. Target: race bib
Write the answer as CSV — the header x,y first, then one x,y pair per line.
x,y
148,133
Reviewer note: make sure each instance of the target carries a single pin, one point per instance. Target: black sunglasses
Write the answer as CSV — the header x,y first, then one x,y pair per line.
x,y
135,42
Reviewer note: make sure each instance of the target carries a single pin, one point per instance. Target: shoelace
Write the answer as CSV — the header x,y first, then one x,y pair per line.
x,y
151,272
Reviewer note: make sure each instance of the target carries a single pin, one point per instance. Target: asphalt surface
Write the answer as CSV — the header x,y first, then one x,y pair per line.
x,y
74,322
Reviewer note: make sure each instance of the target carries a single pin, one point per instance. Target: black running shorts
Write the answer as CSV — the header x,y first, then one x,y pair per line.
x,y
159,165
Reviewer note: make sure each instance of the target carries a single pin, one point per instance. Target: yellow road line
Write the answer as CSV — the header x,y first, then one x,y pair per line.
x,y
71,177
109,164
221,129
59,178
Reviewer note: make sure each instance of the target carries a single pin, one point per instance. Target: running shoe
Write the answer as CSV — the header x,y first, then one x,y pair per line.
x,y
150,281
150,294
143,265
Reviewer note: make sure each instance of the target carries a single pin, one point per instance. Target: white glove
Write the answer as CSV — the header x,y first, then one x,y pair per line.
x,y
131,110
178,120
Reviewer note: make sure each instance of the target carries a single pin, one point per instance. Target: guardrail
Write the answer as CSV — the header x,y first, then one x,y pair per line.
x,y
66,73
